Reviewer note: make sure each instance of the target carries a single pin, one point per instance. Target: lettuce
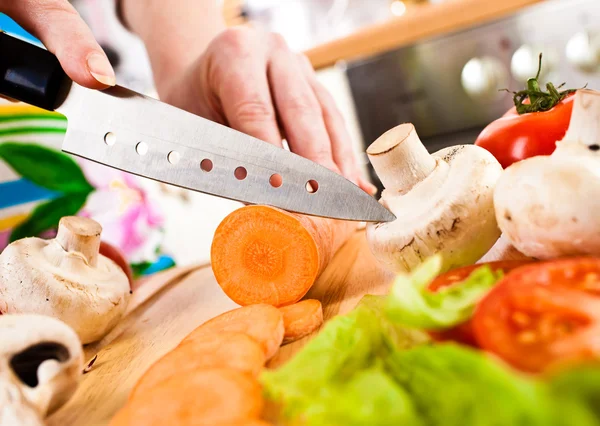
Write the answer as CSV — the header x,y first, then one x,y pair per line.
x,y
332,369
413,305
367,368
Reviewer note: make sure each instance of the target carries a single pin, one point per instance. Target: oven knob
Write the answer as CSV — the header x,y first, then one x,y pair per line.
x,y
525,62
483,77
583,51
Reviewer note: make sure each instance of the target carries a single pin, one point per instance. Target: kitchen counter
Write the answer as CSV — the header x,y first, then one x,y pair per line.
x,y
419,22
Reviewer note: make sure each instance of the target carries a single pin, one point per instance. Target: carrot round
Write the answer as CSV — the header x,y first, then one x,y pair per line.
x,y
263,323
261,254
236,351
301,319
198,398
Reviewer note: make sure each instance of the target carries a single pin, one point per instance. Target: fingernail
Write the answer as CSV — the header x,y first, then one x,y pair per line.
x,y
101,69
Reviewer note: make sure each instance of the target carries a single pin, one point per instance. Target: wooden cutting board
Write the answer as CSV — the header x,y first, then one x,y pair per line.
x,y
192,297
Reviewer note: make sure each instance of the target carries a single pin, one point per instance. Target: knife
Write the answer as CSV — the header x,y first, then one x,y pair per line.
x,y
134,133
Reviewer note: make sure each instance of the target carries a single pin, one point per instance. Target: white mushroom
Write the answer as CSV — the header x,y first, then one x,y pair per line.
x,y
443,202
41,361
65,278
547,206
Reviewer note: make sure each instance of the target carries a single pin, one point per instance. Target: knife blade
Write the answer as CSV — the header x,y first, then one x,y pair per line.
x,y
134,133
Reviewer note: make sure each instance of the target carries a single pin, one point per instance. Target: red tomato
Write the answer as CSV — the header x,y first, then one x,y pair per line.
x,y
515,137
118,257
463,333
543,314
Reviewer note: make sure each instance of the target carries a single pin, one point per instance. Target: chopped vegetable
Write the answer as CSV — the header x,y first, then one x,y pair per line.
x,y
443,202
301,319
65,278
546,206
195,398
463,333
262,254
412,304
324,367
543,314
453,385
532,127
264,323
580,385
230,350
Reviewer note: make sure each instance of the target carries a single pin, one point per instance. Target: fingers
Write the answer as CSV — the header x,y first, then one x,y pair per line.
x,y
341,145
243,89
298,108
60,28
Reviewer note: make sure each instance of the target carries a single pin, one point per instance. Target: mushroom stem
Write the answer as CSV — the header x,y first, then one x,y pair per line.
x,y
82,235
584,127
400,159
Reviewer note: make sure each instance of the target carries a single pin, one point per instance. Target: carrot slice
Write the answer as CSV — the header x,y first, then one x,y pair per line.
x,y
261,254
223,350
264,323
198,398
301,319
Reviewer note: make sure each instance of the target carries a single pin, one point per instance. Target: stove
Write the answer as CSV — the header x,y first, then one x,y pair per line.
x,y
449,86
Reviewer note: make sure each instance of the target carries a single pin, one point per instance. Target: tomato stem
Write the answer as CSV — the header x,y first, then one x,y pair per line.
x,y
539,100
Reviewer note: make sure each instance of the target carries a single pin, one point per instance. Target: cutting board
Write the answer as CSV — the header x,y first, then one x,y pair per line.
x,y
191,297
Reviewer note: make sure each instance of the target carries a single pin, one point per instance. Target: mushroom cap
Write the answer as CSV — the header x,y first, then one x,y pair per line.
x,y
40,276
40,357
548,206
449,212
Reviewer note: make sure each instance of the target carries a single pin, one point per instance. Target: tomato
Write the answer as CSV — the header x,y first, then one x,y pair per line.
x,y
118,257
515,137
463,333
542,315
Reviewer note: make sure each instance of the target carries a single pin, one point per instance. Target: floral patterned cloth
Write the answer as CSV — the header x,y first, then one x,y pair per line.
x,y
39,184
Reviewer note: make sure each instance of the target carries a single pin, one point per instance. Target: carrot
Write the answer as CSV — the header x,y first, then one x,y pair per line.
x,y
301,319
198,398
261,254
236,351
264,323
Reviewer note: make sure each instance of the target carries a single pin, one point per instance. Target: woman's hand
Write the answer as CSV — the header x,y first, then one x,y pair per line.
x,y
251,81
63,32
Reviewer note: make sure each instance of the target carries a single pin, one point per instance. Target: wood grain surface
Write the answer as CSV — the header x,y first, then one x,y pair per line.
x,y
419,22
186,298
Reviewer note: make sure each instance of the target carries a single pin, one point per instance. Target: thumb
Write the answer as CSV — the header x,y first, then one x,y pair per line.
x,y
60,28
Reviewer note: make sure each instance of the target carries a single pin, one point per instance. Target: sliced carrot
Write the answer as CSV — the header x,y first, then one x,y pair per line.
x,y
246,423
261,254
301,319
196,398
264,323
237,351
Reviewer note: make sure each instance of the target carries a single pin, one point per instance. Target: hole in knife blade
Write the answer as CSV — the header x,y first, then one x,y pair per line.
x,y
240,173
173,157
276,180
110,139
141,148
206,165
312,186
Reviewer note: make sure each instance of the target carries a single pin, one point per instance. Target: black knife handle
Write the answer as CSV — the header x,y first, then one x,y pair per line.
x,y
29,73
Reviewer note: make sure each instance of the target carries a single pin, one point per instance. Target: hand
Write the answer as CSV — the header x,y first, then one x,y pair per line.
x,y
252,82
65,34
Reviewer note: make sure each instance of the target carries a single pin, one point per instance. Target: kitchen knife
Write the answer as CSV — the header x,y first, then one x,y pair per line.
x,y
128,131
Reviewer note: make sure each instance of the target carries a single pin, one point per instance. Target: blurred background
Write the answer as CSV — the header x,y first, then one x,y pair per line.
x,y
439,64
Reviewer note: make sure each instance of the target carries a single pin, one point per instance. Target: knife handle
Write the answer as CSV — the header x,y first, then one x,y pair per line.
x,y
29,73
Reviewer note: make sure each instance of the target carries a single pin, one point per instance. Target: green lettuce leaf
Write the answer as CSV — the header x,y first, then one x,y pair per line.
x,y
452,385
331,366
411,303
578,391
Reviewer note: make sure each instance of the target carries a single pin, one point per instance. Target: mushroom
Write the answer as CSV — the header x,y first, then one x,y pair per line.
x,y
66,278
547,206
443,202
41,360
